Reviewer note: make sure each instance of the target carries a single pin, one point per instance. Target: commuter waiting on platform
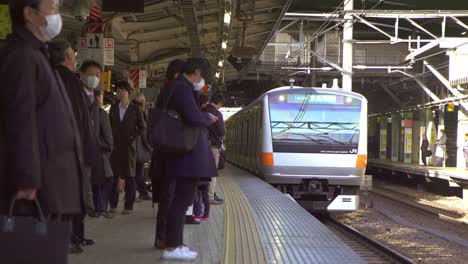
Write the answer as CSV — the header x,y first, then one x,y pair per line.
x,y
127,124
40,153
216,135
465,151
90,73
184,171
105,143
144,151
162,187
441,147
63,57
425,151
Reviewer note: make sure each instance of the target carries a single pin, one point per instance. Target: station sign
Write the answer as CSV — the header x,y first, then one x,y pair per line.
x,y
108,52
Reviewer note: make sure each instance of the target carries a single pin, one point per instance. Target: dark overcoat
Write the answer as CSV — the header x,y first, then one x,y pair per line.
x,y
125,132
97,171
39,141
198,163
106,141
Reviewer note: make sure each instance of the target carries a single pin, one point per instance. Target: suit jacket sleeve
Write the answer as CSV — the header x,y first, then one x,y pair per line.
x,y
220,125
20,124
106,141
187,107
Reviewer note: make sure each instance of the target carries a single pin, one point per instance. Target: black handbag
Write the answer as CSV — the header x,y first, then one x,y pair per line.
x,y
168,132
143,151
27,239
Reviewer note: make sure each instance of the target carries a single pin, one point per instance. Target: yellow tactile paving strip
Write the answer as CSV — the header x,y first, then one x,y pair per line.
x,y
242,243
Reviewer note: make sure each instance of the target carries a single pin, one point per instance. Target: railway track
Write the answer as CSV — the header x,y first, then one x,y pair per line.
x,y
373,252
442,211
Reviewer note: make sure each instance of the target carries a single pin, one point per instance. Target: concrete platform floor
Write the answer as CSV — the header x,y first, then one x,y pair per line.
x,y
128,239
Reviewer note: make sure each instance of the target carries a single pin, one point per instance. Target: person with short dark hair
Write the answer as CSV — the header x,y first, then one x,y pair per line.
x,y
162,187
41,151
127,124
216,136
184,171
106,144
63,57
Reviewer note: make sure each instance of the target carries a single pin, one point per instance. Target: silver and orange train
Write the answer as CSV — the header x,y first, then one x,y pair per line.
x,y
308,142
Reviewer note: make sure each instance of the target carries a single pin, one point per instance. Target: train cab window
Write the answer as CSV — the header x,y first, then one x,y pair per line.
x,y
318,119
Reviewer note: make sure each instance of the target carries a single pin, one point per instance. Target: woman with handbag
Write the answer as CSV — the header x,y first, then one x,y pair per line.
x,y
144,151
184,160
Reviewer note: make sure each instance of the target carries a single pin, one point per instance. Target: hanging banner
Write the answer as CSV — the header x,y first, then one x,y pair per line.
x,y
5,24
108,52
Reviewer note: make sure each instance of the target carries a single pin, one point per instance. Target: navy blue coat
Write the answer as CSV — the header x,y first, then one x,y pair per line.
x,y
198,163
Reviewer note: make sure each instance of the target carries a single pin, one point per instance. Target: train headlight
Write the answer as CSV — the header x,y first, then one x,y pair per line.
x,y
282,98
349,100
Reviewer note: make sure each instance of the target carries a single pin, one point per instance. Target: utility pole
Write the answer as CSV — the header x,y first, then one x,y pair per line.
x,y
348,47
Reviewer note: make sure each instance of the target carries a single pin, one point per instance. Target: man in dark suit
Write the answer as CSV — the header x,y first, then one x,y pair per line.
x,y
63,57
40,149
90,73
127,124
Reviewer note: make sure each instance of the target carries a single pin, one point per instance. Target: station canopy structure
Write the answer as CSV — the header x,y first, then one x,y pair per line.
x,y
400,49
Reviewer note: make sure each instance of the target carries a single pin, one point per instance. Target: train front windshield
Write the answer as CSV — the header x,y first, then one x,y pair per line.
x,y
329,122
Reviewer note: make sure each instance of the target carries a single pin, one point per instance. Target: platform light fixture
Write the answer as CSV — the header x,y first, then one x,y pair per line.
x,y
224,45
227,18
220,63
217,75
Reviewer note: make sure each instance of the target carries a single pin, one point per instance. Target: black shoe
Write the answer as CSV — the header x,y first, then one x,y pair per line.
x,y
75,249
87,242
145,197
107,215
190,220
93,214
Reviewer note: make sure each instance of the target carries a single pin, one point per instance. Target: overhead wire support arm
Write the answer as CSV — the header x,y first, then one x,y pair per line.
x,y
421,28
369,24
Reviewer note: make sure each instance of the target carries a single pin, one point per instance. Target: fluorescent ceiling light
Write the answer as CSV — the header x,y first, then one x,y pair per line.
x,y
217,75
220,63
227,18
224,45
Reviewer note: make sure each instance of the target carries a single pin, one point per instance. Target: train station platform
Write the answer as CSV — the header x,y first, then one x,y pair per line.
x,y
256,224
454,176
450,173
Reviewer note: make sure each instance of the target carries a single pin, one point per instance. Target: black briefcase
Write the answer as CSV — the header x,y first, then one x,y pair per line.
x,y
33,240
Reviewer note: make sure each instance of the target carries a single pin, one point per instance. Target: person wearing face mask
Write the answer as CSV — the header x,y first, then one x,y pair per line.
x,y
182,172
63,57
41,151
90,73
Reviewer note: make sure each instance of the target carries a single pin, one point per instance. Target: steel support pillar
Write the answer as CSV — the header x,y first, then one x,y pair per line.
x,y
348,47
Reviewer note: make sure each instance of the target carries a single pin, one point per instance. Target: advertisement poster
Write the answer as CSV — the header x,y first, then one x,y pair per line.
x,y
408,141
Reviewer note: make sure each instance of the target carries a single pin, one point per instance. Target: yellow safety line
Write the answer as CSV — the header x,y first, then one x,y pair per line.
x,y
242,243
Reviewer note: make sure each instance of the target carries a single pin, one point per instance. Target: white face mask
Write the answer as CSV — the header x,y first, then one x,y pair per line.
x,y
199,85
53,28
92,82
